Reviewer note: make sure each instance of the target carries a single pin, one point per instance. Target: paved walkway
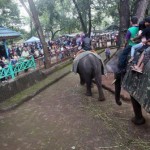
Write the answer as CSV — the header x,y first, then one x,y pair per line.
x,y
63,118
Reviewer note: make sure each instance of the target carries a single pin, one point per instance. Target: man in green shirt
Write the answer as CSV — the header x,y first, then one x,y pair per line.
x,y
131,33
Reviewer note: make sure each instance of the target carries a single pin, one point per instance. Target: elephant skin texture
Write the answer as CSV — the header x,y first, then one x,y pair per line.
x,y
90,70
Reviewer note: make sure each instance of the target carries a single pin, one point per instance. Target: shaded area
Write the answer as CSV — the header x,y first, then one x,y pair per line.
x,y
63,118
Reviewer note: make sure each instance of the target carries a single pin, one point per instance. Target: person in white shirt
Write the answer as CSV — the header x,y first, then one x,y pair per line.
x,y
25,53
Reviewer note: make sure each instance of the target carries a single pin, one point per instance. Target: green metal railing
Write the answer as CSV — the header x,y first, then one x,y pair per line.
x,y
21,65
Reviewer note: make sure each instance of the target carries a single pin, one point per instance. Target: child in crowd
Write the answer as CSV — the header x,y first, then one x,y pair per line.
x,y
6,61
107,53
15,58
25,53
36,53
2,65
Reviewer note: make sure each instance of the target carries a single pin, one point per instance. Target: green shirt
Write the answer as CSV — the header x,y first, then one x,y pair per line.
x,y
133,33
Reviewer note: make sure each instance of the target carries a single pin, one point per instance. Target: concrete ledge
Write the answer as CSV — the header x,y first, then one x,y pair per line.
x,y
30,92
49,71
21,83
13,87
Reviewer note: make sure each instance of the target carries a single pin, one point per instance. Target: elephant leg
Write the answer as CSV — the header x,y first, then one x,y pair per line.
x,y
88,86
98,81
82,82
138,119
118,88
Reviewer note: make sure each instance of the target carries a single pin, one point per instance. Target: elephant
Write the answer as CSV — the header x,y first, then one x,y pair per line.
x,y
135,84
90,69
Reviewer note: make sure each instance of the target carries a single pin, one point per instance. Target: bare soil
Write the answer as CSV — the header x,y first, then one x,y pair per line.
x,y
63,118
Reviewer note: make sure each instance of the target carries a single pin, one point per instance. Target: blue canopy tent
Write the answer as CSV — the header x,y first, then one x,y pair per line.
x,y
32,40
6,33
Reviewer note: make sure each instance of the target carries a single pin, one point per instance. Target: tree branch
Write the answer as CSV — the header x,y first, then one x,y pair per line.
x,y
80,16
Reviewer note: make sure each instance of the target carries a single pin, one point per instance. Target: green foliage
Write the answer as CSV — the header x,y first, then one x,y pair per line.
x,y
61,16
106,9
57,16
9,13
10,17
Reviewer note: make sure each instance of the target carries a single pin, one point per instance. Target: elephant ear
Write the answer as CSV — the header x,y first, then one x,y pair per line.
x,y
138,85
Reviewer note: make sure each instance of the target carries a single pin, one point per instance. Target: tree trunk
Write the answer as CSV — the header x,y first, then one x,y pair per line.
x,y
54,33
31,27
124,15
89,15
84,27
34,15
40,33
140,8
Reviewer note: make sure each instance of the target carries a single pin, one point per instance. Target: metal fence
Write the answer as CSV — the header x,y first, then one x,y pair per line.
x,y
57,56
22,65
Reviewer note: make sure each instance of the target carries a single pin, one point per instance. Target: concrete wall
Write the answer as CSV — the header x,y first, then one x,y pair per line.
x,y
21,83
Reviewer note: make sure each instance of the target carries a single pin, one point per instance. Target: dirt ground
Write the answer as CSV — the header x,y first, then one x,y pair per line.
x,y
63,118
107,83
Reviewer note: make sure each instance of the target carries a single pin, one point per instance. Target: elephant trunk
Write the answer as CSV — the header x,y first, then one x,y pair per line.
x,y
118,88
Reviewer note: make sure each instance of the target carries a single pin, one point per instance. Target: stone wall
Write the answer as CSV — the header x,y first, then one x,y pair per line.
x,y
23,82
19,84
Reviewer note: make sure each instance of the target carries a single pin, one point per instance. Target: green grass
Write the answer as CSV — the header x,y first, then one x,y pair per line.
x,y
20,97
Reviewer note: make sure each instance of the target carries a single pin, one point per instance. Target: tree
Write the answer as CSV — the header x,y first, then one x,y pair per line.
x,y
125,11
83,8
56,16
107,8
140,8
124,17
49,16
34,15
9,13
84,27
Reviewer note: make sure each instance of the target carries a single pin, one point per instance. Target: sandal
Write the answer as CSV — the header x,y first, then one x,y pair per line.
x,y
136,70
132,67
130,60
113,82
136,67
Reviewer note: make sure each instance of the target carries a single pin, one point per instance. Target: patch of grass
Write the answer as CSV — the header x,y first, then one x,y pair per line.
x,y
20,97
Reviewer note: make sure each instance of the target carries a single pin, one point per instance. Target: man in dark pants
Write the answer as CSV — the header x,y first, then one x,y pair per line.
x,y
122,62
86,43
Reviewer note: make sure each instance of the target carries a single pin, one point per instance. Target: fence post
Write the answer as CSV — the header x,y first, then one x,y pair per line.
x,y
34,65
11,70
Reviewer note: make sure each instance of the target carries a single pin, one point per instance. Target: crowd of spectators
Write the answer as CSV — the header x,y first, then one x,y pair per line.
x,y
60,48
